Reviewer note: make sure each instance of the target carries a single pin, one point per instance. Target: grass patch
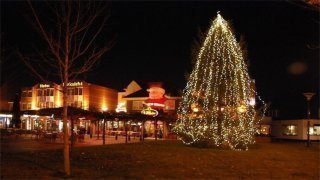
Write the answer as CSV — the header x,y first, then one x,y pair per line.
x,y
168,160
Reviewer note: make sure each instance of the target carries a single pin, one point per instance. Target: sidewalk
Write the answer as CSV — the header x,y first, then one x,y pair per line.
x,y
109,140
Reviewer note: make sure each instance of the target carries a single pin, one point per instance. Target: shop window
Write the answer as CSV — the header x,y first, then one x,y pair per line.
x,y
290,130
316,130
137,105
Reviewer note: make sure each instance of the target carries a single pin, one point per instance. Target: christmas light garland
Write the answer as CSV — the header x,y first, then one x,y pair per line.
x,y
215,107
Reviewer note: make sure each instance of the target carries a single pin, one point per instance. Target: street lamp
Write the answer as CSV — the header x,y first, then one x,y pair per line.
x,y
308,96
104,109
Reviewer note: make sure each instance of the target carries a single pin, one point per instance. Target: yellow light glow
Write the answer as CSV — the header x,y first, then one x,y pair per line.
x,y
242,109
104,108
58,102
195,109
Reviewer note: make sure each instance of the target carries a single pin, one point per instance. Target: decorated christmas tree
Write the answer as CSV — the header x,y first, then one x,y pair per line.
x,y
216,107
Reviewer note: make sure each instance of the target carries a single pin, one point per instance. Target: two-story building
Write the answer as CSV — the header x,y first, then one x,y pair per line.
x,y
82,95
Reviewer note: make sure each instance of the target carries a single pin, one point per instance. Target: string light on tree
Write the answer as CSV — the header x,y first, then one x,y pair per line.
x,y
217,107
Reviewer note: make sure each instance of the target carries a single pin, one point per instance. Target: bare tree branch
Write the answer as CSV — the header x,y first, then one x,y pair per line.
x,y
71,41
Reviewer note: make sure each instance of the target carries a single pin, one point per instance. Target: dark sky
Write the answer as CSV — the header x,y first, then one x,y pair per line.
x,y
153,43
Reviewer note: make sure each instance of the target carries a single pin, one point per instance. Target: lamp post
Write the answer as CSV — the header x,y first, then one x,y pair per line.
x,y
104,109
308,96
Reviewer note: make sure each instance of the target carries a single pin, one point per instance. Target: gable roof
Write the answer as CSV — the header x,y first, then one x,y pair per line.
x,y
140,93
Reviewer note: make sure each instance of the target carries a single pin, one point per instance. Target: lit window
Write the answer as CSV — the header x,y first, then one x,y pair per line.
x,y
29,105
77,104
137,105
290,130
76,91
47,104
316,130
24,106
70,92
39,92
170,105
24,94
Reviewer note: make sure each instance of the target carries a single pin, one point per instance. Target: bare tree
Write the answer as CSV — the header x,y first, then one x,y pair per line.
x,y
70,30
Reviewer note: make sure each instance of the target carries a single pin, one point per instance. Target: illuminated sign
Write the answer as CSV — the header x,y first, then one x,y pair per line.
x,y
121,107
74,84
150,112
44,85
155,104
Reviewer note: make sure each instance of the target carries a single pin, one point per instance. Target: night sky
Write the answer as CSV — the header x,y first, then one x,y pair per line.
x,y
153,43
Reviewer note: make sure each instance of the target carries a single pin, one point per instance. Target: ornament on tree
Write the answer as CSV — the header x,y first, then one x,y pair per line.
x,y
216,107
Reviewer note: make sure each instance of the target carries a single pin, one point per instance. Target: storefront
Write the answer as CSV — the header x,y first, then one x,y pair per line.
x,y
5,120
296,129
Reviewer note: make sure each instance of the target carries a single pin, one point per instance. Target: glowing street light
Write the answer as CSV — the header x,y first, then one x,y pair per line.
x,y
104,109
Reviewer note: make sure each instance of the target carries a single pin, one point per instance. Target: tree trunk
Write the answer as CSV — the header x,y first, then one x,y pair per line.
x,y
72,133
66,152
104,132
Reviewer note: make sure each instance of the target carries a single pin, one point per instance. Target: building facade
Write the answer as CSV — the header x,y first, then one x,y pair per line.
x,y
82,95
295,129
151,99
6,104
